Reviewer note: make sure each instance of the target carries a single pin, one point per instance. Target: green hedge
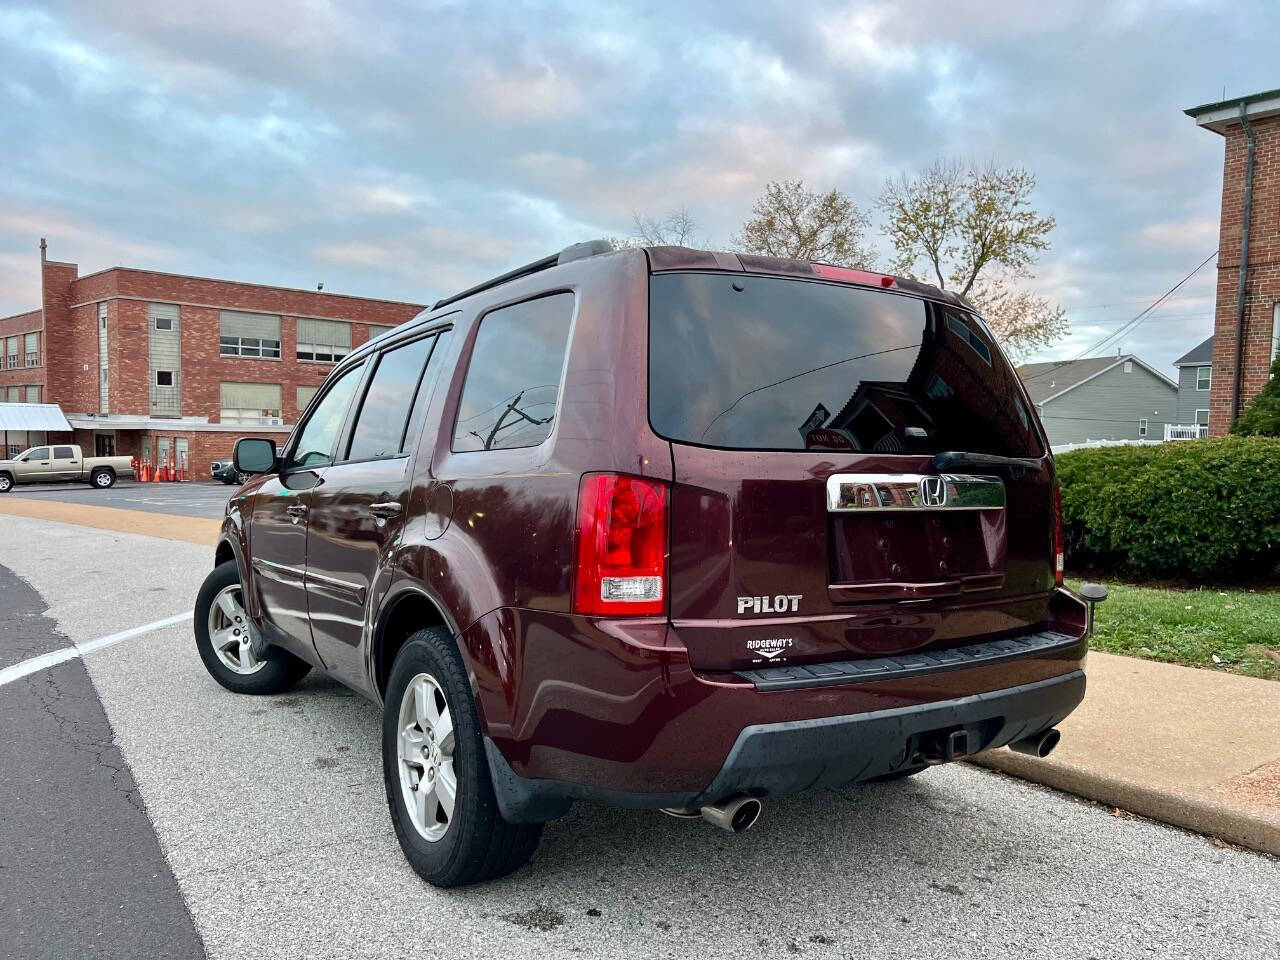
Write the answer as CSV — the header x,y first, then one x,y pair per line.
x,y
1196,509
1261,418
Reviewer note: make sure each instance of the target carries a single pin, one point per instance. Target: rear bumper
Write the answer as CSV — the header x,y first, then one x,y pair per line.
x,y
612,711
780,758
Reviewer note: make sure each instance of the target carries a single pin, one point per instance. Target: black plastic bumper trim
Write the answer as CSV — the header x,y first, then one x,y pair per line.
x,y
796,676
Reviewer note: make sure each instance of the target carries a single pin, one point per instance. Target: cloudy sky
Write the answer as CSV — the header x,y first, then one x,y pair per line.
x,y
405,149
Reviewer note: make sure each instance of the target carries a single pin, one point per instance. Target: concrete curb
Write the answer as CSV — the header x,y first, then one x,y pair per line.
x,y
1239,825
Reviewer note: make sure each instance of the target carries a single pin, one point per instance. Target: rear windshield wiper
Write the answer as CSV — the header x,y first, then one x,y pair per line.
x,y
950,459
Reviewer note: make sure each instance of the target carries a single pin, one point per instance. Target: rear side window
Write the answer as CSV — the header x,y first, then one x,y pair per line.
x,y
513,380
63,453
384,415
761,363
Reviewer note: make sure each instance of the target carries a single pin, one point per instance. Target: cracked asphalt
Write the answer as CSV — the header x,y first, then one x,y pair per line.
x,y
270,815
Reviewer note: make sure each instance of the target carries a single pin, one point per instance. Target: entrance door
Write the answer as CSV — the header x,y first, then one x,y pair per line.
x,y
104,445
281,504
358,513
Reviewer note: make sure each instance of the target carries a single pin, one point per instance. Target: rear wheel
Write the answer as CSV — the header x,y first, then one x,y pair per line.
x,y
222,638
438,788
6,483
102,479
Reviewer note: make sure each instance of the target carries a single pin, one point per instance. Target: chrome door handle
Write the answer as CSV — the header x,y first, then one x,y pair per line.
x,y
382,512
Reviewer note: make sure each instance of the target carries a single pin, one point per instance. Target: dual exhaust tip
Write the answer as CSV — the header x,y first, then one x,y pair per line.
x,y
735,814
739,813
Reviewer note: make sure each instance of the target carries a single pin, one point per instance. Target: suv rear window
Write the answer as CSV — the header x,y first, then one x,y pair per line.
x,y
761,363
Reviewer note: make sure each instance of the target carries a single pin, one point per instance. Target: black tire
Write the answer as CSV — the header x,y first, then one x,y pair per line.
x,y
102,479
478,844
6,483
897,775
282,671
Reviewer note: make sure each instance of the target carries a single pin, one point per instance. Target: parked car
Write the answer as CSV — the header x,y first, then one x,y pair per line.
x,y
225,470
660,528
60,463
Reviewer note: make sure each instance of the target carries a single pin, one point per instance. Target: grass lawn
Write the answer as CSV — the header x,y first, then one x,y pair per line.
x,y
1192,627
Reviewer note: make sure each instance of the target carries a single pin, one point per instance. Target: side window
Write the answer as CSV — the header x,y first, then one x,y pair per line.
x,y
429,377
63,453
513,380
319,435
39,453
380,426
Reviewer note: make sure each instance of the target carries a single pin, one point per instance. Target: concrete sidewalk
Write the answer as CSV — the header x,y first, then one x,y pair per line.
x,y
165,525
1193,748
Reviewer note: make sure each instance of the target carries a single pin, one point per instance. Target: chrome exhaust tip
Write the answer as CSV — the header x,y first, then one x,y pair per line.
x,y
735,814
1040,745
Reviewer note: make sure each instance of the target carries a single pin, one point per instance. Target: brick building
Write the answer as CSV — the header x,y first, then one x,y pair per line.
x,y
147,364
1250,177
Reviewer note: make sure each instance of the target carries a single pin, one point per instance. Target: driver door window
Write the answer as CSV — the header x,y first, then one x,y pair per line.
x,y
319,435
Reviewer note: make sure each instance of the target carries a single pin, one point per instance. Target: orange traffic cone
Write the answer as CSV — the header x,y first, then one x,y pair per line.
x,y
144,474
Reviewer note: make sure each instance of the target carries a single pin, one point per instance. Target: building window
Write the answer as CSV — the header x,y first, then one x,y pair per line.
x,y
961,329
1202,418
1204,377
378,329
249,335
11,354
251,403
305,395
32,348
1128,366
1142,427
33,394
323,341
164,378
14,395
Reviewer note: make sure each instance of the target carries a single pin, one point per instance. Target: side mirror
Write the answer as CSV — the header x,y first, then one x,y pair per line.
x,y
255,455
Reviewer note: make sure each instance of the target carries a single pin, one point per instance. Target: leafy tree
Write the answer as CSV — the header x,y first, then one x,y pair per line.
x,y
796,223
973,230
1261,418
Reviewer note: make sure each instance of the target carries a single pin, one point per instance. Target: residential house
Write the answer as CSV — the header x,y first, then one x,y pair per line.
x,y
1195,379
1101,398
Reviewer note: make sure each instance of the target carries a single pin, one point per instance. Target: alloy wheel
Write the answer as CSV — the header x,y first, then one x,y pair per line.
x,y
229,632
425,749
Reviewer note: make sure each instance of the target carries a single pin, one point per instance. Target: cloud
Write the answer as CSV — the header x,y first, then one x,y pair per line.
x,y
408,150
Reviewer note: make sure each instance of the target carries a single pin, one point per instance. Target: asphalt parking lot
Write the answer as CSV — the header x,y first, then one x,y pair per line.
x,y
270,823
182,499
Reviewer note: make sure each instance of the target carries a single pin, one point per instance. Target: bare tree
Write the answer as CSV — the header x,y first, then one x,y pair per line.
x,y
792,221
677,229
973,230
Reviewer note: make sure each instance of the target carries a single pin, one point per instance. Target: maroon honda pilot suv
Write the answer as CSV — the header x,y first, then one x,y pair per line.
x,y
660,528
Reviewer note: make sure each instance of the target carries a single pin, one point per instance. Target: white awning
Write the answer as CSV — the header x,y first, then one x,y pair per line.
x,y
32,416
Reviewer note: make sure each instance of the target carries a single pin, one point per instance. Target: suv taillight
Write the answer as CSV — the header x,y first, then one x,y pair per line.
x,y
1059,560
622,546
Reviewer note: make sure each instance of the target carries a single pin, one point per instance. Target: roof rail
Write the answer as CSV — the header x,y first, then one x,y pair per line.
x,y
577,251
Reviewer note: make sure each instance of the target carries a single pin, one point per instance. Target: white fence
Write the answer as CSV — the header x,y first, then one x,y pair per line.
x,y
1064,447
1185,431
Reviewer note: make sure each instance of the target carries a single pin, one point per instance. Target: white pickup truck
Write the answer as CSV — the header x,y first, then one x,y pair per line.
x,y
62,462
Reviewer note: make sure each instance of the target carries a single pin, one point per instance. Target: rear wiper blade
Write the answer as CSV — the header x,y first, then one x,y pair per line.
x,y
950,459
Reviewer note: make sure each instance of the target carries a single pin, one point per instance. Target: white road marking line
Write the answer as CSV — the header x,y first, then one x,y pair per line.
x,y
54,657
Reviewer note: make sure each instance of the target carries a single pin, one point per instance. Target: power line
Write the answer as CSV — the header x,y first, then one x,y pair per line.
x,y
1127,327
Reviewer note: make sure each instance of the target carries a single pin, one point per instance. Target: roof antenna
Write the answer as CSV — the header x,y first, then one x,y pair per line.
x,y
320,285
